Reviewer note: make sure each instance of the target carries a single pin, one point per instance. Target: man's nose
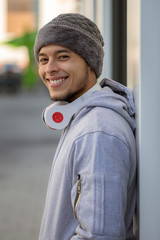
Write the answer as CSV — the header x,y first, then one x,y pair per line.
x,y
52,67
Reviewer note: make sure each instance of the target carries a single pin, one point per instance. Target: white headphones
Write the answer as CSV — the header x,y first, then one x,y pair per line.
x,y
58,114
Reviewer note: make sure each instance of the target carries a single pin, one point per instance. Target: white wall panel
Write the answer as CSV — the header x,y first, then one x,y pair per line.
x,y
150,121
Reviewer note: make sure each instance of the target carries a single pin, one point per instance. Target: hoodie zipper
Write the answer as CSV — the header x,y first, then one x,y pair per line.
x,y
77,196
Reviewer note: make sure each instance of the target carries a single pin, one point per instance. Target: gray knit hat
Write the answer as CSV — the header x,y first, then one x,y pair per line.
x,y
76,32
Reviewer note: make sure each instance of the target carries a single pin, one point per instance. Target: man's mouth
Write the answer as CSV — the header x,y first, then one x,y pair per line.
x,y
56,82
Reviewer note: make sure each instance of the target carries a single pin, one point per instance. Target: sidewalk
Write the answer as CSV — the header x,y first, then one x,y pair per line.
x,y
27,148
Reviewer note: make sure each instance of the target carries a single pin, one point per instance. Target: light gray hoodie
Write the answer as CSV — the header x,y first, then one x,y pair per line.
x,y
91,191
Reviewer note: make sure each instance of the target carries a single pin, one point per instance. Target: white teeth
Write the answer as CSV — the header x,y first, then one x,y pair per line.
x,y
57,81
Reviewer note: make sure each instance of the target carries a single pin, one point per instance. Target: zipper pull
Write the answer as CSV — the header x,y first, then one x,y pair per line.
x,y
78,195
79,185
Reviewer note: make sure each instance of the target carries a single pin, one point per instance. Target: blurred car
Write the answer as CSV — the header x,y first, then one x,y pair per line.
x,y
10,78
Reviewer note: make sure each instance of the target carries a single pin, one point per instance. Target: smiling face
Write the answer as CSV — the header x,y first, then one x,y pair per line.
x,y
65,73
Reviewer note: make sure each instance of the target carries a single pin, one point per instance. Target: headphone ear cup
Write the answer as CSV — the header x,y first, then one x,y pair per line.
x,y
57,115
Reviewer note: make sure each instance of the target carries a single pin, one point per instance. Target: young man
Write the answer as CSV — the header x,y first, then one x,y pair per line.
x,y
91,190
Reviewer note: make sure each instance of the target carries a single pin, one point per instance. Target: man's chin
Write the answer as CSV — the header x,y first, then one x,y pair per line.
x,y
54,99
58,98
65,96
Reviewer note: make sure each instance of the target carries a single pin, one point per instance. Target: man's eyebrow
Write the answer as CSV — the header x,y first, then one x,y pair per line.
x,y
41,54
63,50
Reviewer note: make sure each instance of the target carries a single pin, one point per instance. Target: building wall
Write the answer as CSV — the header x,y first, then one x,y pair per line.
x,y
16,18
133,43
20,16
48,9
20,22
149,162
3,18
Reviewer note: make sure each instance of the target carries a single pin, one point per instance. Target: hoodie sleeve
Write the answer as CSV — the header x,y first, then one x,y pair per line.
x,y
101,183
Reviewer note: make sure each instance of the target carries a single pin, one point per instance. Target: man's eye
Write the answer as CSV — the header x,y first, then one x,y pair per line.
x,y
43,60
63,57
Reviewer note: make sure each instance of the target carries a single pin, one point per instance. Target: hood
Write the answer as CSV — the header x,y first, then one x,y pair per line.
x,y
114,96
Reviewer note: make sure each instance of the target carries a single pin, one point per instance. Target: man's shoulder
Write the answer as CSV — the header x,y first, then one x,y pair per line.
x,y
102,121
96,119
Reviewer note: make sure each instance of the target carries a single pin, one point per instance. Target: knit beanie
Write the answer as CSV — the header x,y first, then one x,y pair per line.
x,y
76,32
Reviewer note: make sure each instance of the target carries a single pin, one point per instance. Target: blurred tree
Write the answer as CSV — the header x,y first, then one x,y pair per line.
x,y
30,75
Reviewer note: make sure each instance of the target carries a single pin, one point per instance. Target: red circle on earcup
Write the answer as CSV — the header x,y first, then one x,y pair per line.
x,y
57,117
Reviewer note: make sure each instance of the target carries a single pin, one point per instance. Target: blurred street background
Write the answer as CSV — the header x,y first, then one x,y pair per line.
x,y
27,148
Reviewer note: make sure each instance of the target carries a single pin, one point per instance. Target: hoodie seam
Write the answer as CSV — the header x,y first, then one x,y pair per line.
x,y
105,133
